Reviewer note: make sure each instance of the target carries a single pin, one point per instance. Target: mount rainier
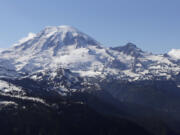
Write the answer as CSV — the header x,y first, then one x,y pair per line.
x,y
62,81
67,47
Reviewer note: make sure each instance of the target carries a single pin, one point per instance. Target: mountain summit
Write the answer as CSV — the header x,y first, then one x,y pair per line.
x,y
129,49
54,38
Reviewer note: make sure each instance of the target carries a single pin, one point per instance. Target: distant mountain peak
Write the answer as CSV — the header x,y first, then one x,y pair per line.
x,y
131,45
56,37
130,49
68,35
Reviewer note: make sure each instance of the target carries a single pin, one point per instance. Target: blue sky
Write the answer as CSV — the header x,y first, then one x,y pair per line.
x,y
153,25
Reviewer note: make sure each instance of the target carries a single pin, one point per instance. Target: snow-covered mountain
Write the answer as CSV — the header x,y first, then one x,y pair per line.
x,y
69,48
62,69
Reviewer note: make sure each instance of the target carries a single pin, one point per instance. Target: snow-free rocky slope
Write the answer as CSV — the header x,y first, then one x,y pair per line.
x,y
67,47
